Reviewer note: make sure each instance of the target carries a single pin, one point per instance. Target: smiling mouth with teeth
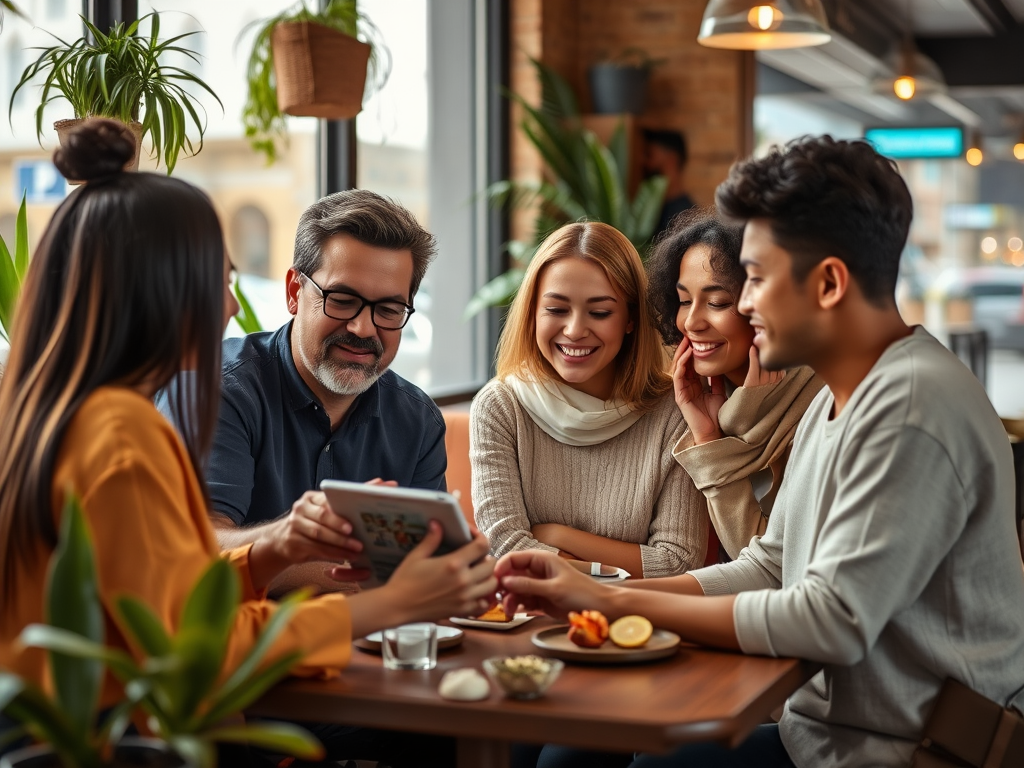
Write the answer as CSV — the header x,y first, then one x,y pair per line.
x,y
704,346
575,351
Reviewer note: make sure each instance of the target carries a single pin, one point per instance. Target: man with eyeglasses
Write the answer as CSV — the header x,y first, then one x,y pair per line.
x,y
315,399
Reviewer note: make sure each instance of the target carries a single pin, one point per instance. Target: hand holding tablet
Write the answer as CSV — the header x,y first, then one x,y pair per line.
x,y
391,521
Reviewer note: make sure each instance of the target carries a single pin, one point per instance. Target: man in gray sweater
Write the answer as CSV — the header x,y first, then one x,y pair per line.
x,y
891,555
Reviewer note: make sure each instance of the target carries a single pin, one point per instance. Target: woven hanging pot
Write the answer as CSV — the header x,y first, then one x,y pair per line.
x,y
64,128
320,72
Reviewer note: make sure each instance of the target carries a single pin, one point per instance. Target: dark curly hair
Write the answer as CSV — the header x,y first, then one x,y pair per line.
x,y
698,226
822,198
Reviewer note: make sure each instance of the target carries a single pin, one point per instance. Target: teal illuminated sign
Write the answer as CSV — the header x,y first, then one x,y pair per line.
x,y
911,143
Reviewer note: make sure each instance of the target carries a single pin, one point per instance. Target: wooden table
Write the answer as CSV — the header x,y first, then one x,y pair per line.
x,y
697,695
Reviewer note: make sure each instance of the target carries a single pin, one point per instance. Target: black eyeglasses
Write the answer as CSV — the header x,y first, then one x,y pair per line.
x,y
386,314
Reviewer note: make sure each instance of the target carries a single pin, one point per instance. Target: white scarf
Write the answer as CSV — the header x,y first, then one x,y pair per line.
x,y
570,416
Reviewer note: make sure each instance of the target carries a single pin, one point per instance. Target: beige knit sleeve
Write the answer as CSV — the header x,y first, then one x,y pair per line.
x,y
499,509
679,529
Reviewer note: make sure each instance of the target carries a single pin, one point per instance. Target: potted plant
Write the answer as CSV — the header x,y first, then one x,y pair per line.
x,y
13,267
124,76
175,686
312,63
585,180
619,85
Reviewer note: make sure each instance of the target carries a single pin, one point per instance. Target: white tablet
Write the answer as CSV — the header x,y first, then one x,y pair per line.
x,y
391,521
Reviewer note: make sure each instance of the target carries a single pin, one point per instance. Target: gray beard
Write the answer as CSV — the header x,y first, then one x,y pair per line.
x,y
342,378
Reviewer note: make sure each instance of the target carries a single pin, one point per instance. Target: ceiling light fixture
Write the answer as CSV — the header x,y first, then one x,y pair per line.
x,y
974,155
750,25
910,73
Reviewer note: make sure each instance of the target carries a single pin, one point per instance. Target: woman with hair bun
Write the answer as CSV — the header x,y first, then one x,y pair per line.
x,y
128,287
568,442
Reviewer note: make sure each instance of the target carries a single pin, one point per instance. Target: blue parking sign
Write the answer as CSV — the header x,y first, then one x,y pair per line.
x,y
39,180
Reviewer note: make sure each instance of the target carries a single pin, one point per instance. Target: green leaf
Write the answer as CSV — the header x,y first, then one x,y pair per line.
x,y
248,690
246,317
144,626
196,751
498,292
285,610
73,604
286,738
10,287
70,644
21,241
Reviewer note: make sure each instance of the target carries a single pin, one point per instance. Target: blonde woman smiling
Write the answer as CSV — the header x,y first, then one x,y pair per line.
x,y
568,442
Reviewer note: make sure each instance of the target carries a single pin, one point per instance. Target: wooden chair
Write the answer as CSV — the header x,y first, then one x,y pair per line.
x,y
459,475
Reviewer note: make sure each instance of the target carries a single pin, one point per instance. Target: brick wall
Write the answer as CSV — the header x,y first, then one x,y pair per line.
x,y
706,93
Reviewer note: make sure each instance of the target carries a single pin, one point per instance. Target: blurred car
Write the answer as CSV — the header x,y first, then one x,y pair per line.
x,y
996,295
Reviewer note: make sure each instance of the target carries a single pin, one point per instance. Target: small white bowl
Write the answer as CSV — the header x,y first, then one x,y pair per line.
x,y
523,677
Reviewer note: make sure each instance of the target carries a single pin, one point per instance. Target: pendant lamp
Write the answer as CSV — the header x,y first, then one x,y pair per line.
x,y
912,74
749,25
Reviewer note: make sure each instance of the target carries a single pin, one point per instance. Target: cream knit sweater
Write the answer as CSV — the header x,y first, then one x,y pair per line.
x,y
628,488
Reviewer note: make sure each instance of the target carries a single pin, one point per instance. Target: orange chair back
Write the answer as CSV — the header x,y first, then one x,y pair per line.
x,y
456,443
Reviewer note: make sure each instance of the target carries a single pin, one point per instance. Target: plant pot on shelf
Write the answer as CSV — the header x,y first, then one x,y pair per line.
x,y
64,128
131,752
320,72
617,88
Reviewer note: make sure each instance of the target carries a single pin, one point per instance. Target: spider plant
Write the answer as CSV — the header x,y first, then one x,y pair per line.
x,y
9,7
123,75
263,120
585,180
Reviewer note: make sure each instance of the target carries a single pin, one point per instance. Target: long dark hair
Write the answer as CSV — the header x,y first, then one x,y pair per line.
x,y
125,286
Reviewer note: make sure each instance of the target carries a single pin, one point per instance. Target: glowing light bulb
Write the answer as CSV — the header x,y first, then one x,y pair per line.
x,y
1015,244
974,156
904,87
763,17
989,245
1018,150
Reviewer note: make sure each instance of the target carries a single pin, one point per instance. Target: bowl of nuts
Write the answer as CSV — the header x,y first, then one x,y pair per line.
x,y
523,677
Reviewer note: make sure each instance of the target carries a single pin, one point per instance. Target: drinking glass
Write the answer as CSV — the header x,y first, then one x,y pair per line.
x,y
410,646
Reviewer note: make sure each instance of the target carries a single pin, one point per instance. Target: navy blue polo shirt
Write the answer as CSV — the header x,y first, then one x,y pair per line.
x,y
274,440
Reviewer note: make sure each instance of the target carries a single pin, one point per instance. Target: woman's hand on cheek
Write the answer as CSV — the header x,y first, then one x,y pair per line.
x,y
698,403
758,376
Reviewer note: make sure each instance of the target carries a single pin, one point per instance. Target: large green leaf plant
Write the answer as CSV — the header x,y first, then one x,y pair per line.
x,y
177,684
584,180
124,75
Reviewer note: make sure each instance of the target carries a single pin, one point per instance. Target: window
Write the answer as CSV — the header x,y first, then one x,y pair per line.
x,y
421,141
249,241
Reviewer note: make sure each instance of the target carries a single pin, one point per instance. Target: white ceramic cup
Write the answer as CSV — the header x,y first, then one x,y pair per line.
x,y
410,646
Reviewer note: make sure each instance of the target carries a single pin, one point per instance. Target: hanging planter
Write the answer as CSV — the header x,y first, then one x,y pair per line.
x,y
619,85
308,58
311,64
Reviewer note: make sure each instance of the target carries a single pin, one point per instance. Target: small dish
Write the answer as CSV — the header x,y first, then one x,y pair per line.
x,y
500,626
447,637
523,677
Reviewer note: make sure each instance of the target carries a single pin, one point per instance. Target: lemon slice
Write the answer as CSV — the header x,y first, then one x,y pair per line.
x,y
630,631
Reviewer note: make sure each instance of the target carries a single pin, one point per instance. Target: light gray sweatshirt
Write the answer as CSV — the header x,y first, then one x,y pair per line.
x,y
891,557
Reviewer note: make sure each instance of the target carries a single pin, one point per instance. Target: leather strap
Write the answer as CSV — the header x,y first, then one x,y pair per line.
x,y
1008,721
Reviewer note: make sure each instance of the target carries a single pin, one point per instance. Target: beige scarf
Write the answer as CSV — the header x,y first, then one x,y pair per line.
x,y
570,416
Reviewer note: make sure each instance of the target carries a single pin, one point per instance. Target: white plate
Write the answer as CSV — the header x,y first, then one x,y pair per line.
x,y
447,637
621,575
501,626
